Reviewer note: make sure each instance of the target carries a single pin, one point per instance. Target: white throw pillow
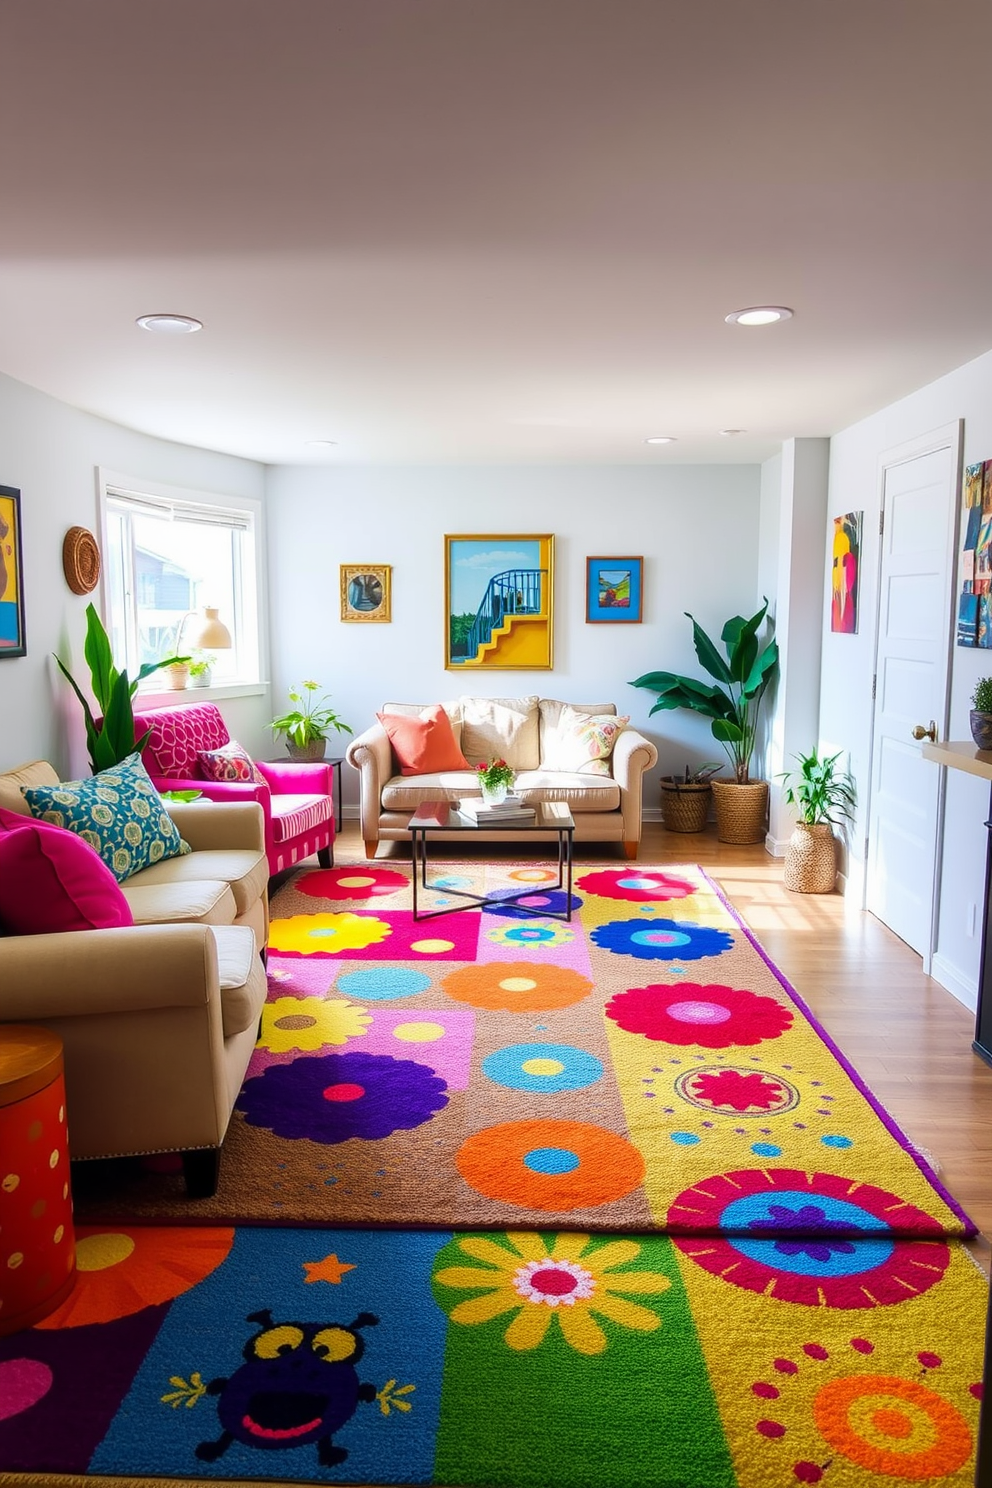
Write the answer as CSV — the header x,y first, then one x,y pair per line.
x,y
584,742
501,728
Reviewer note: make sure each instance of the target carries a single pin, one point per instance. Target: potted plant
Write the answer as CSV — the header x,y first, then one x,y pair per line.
x,y
306,726
685,798
201,669
823,794
732,703
176,674
112,738
495,780
980,716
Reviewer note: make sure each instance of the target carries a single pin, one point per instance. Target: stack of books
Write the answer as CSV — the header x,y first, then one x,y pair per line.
x,y
512,809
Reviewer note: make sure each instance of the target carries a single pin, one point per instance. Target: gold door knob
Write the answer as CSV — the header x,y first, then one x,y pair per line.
x,y
930,733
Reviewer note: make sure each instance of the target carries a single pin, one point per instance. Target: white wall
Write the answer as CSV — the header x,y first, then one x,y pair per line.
x,y
51,452
696,527
846,667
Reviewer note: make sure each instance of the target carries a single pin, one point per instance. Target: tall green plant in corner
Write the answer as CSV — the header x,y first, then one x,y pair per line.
x,y
112,738
733,704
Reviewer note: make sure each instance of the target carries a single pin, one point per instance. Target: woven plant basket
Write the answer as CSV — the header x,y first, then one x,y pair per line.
x,y
315,750
741,810
811,859
684,808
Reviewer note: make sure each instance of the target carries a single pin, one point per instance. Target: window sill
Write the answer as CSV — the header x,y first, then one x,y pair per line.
x,y
185,696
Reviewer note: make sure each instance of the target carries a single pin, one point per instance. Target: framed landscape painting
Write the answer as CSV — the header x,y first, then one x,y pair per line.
x,y
613,590
365,592
498,602
12,641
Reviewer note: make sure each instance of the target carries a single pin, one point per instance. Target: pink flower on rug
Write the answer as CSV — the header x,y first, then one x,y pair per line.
x,y
645,885
712,1016
352,883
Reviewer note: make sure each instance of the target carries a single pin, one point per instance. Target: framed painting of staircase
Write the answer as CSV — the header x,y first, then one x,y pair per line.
x,y
499,602
365,592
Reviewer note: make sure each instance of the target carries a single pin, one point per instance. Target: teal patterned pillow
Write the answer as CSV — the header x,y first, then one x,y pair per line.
x,y
119,812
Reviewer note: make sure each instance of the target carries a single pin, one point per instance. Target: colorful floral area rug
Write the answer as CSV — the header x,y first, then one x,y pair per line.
x,y
642,1067
518,1358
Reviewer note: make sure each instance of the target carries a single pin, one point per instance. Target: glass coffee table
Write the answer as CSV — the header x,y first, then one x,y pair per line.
x,y
444,816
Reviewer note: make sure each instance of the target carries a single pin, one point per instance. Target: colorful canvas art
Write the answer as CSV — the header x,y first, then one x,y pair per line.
x,y
498,602
974,627
12,641
613,590
845,573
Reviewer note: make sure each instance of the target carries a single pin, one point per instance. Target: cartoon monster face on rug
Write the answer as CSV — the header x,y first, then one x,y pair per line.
x,y
298,1385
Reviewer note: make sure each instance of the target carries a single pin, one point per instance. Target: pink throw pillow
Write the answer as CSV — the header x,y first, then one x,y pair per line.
x,y
52,880
231,762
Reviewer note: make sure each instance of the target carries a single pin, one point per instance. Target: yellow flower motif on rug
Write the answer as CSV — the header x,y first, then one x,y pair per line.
x,y
326,934
310,1023
570,1281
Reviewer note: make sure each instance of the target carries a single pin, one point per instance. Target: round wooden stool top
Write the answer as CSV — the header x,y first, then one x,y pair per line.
x,y
30,1059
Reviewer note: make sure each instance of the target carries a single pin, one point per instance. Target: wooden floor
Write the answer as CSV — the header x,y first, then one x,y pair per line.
x,y
907,1037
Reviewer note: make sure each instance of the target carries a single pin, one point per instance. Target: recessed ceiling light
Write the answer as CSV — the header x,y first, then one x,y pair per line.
x,y
321,443
729,432
170,325
759,315
661,439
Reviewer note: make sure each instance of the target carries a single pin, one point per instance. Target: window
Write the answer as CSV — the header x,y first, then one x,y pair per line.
x,y
166,558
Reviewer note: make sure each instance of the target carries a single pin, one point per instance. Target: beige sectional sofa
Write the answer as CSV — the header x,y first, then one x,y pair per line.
x,y
159,1019
523,730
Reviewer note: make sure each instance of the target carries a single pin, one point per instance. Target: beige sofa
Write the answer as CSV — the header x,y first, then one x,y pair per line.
x,y
606,807
159,1019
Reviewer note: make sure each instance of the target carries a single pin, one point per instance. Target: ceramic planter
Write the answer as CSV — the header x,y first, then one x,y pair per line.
x,y
315,750
176,677
741,810
811,859
981,729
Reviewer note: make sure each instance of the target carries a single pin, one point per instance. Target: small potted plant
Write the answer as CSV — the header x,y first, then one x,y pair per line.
x,y
685,798
823,794
176,675
307,725
495,780
981,713
201,669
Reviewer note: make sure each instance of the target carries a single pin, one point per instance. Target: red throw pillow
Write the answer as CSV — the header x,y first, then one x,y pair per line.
x,y
423,745
52,880
230,762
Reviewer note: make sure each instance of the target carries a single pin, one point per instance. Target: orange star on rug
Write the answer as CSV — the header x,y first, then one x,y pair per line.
x,y
329,1269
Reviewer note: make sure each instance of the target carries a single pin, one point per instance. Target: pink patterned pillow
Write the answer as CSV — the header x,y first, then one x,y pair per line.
x,y
232,762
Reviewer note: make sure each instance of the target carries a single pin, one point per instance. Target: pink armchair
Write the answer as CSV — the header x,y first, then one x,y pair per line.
x,y
295,798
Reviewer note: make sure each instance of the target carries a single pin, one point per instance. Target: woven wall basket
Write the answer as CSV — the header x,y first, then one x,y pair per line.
x,y
80,560
811,859
684,808
741,810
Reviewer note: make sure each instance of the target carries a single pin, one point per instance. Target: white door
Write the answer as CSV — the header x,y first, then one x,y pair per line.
x,y
912,673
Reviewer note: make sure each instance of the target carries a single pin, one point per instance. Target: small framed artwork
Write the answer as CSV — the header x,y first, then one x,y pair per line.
x,y
613,590
12,642
365,592
845,573
498,602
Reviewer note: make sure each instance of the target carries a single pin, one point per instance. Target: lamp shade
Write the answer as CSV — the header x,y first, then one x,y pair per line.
x,y
207,632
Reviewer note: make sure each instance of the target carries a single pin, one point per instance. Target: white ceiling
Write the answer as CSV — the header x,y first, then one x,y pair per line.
x,y
493,230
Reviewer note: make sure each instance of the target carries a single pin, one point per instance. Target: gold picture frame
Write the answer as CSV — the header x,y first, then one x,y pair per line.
x,y
366,593
499,602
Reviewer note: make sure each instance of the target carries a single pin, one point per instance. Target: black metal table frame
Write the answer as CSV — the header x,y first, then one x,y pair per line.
x,y
418,849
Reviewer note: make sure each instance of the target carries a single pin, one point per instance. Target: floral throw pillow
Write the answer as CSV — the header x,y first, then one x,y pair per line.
x,y
119,812
231,762
584,742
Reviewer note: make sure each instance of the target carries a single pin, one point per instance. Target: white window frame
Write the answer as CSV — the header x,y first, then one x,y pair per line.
x,y
251,597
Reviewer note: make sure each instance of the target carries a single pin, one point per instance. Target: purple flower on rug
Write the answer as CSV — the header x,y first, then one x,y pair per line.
x,y
334,1097
811,1218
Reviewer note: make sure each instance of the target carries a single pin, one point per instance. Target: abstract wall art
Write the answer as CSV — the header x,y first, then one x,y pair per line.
x,y
845,573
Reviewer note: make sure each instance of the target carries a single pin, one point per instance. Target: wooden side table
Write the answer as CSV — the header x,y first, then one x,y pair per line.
x,y
37,1240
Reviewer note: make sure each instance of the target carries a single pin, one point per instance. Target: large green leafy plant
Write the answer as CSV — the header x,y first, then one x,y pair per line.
x,y
111,739
741,680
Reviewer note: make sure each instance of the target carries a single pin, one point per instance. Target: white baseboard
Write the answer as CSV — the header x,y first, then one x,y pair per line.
x,y
774,846
960,987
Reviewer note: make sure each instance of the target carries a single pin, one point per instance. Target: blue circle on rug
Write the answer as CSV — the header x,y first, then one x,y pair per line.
x,y
685,1139
662,940
766,1149
382,985
532,934
836,1141
539,901
453,881
576,1069
551,1160
833,1246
